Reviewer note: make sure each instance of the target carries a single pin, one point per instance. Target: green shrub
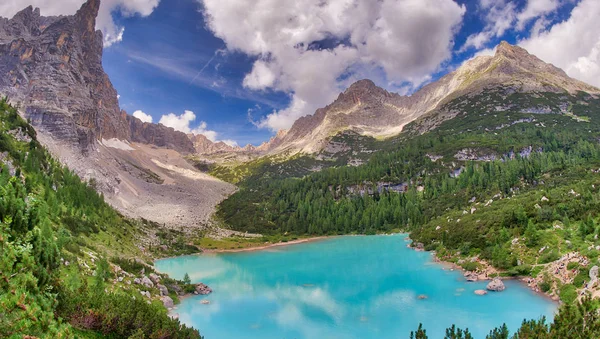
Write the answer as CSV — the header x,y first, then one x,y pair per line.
x,y
581,277
568,293
470,265
549,257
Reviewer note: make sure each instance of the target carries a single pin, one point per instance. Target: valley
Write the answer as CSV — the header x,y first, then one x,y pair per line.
x,y
493,168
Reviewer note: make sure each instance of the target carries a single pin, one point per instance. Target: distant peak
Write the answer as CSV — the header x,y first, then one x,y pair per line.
x,y
364,86
27,13
510,51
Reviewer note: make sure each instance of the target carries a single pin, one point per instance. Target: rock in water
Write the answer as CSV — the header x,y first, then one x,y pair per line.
x,y
480,292
471,276
496,285
202,289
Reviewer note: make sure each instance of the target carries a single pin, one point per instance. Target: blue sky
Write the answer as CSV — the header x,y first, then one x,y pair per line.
x,y
240,70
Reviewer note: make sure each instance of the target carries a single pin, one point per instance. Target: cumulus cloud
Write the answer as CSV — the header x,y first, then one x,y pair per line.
x,y
112,32
142,116
499,16
573,45
183,121
311,49
535,9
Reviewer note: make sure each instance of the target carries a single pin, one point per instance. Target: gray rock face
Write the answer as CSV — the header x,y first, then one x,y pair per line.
x,y
496,285
147,282
154,277
53,67
163,289
167,301
159,135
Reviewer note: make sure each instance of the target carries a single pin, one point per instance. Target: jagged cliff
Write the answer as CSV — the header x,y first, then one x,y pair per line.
x,y
52,68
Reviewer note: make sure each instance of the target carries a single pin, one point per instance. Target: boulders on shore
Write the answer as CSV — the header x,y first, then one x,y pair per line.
x,y
496,285
471,276
167,301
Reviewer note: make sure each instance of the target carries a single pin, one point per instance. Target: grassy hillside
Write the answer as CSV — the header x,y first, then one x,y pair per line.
x,y
66,257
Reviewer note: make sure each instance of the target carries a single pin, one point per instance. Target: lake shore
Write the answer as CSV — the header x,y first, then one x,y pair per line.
x,y
489,273
267,246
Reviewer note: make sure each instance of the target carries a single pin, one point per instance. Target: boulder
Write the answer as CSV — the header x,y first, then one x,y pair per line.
x,y
471,276
163,289
176,288
422,297
594,273
593,277
480,292
205,302
496,285
147,282
419,246
137,281
154,277
202,289
167,301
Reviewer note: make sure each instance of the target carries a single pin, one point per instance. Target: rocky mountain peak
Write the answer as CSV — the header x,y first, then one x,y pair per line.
x,y
363,90
86,15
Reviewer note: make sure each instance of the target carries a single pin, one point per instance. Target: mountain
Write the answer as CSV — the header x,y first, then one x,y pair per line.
x,y
372,111
51,67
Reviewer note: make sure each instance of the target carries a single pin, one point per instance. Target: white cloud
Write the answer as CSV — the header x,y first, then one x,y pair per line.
x,y
396,41
499,16
535,9
182,123
112,32
573,45
142,116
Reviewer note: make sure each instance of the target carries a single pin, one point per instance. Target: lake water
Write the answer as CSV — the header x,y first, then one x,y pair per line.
x,y
345,287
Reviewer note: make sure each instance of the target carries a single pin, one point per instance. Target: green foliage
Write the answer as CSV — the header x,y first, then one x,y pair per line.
x,y
568,293
47,213
469,266
457,333
546,284
419,334
573,321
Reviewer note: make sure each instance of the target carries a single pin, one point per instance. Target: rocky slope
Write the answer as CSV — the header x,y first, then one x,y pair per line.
x,y
370,110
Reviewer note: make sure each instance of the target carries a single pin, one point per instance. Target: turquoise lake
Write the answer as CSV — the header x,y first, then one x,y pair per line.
x,y
344,287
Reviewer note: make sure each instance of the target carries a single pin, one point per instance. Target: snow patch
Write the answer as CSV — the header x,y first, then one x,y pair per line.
x,y
118,144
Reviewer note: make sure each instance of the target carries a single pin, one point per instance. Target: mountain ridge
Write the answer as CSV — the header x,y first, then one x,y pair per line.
x,y
510,66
